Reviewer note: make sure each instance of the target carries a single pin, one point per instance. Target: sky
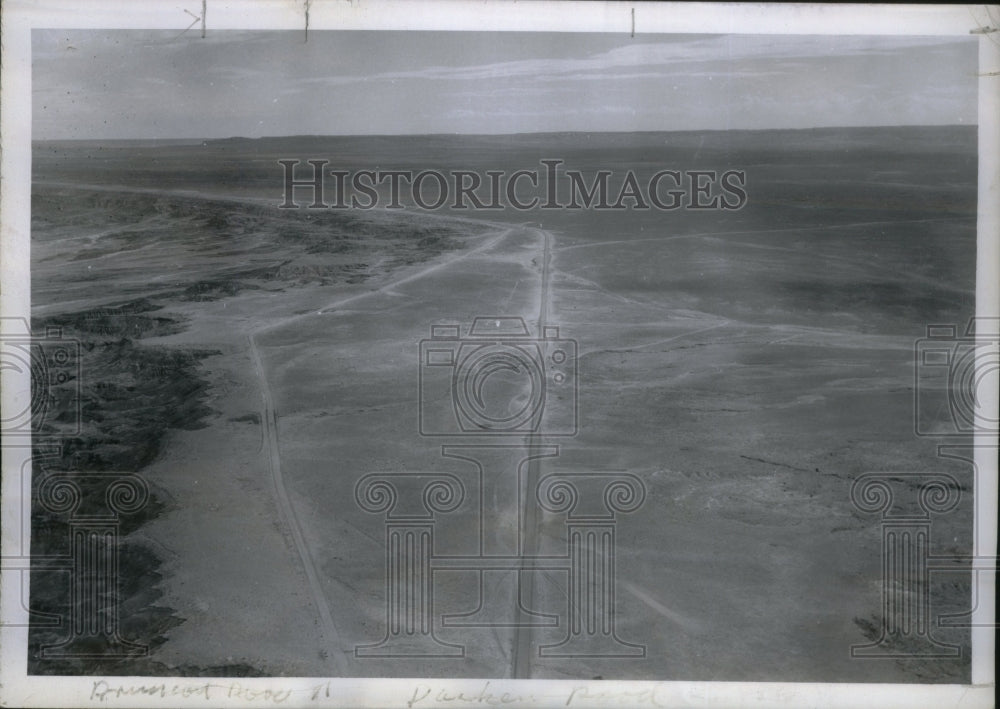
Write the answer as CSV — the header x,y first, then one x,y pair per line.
x,y
100,84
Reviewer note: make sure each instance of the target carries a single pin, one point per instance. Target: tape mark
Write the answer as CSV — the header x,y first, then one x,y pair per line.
x,y
197,19
988,28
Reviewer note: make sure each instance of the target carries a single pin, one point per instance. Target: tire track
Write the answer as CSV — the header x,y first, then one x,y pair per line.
x,y
521,653
269,421
333,643
387,288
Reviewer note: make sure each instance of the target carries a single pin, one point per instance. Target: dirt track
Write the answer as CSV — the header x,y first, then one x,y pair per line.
x,y
747,369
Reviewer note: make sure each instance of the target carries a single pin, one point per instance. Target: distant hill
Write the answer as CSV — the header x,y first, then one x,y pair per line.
x,y
914,138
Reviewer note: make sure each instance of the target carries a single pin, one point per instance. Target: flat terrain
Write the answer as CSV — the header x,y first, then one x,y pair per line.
x,y
747,366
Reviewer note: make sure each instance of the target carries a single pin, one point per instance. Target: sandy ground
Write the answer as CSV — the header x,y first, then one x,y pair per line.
x,y
748,522
747,370
243,522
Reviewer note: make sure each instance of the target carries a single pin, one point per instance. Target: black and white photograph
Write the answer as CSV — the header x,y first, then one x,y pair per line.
x,y
589,358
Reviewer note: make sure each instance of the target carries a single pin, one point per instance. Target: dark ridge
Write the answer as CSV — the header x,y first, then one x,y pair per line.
x,y
115,416
243,141
124,321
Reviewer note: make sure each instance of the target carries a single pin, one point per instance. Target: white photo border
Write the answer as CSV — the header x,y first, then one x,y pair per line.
x,y
17,688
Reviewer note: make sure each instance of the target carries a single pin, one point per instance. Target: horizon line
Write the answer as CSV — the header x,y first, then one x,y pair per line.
x,y
499,135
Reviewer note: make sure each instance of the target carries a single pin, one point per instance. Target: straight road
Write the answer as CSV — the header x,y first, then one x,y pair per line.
x,y
336,648
521,655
